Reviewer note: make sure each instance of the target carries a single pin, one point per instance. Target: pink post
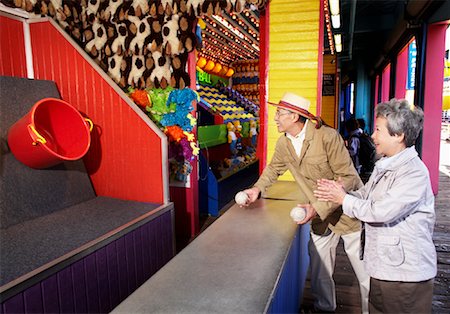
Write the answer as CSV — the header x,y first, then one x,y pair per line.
x,y
434,80
401,73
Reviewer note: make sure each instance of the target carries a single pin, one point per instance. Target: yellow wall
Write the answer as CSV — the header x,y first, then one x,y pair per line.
x,y
293,57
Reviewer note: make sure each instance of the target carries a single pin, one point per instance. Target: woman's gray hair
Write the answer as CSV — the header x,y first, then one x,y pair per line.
x,y
401,119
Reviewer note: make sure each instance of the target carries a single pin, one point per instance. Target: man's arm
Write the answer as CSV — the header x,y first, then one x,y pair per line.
x,y
273,170
342,167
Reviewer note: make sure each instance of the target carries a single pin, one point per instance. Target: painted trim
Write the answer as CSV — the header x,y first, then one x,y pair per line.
x,y
264,33
28,49
126,99
320,60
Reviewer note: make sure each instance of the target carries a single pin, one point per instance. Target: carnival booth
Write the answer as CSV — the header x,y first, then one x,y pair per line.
x,y
125,66
228,110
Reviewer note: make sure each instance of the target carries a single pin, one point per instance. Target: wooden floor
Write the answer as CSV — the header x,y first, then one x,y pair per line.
x,y
347,290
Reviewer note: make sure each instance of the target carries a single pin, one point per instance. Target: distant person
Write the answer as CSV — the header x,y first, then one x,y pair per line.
x,y
397,206
353,142
362,124
310,151
362,143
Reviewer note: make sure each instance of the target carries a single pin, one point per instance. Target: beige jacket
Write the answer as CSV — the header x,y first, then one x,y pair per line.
x,y
323,155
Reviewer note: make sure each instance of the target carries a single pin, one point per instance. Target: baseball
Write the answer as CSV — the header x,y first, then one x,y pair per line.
x,y
241,198
298,213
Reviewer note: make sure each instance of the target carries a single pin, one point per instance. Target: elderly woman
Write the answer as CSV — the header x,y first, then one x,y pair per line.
x,y
397,207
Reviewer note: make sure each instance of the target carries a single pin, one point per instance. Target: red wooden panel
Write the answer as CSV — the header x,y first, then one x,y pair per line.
x,y
385,83
401,73
125,158
12,52
434,80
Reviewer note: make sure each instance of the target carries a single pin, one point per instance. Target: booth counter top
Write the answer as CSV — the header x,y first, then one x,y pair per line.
x,y
233,266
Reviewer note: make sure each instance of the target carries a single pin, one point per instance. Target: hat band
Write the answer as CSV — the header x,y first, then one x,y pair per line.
x,y
303,112
294,108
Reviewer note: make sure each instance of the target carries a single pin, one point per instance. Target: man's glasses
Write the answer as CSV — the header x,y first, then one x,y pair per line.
x,y
280,113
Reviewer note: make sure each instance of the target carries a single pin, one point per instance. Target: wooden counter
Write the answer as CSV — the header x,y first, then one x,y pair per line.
x,y
249,260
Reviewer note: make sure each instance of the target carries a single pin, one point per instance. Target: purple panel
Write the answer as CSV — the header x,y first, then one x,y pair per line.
x,y
113,273
14,305
153,246
131,261
79,286
138,253
159,243
50,295
103,282
146,247
33,299
65,288
91,284
123,272
167,237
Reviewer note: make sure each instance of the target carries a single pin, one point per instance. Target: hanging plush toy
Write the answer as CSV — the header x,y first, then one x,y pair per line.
x,y
140,97
232,139
253,133
159,104
238,130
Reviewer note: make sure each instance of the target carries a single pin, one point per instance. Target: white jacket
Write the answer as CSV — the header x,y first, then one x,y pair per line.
x,y
397,206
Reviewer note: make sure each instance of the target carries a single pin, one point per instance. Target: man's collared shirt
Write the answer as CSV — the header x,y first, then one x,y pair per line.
x,y
297,141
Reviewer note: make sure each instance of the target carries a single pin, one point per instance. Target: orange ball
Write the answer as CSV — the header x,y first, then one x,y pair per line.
x,y
209,65
229,73
217,68
201,62
224,71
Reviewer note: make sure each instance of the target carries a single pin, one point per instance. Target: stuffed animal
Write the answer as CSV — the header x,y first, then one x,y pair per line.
x,y
149,66
95,45
171,42
235,6
139,8
155,39
114,65
92,9
116,43
238,130
108,9
180,78
194,7
160,75
253,133
141,31
232,139
135,78
168,6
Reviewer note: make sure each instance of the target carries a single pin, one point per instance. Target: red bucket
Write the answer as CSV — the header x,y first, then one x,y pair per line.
x,y
52,132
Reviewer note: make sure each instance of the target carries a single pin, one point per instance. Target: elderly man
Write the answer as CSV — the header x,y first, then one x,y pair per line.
x,y
312,151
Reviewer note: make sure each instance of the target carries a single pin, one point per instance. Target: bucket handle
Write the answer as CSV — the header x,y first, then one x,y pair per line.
x,y
39,137
91,124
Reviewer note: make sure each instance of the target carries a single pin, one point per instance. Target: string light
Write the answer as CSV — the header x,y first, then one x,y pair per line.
x,y
328,25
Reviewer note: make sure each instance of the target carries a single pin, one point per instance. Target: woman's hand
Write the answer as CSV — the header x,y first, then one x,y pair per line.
x,y
330,191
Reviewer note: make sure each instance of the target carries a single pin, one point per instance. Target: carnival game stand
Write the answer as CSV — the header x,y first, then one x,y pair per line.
x,y
223,172
63,248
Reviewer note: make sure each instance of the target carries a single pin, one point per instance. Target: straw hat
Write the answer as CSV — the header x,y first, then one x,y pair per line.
x,y
294,103
299,105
